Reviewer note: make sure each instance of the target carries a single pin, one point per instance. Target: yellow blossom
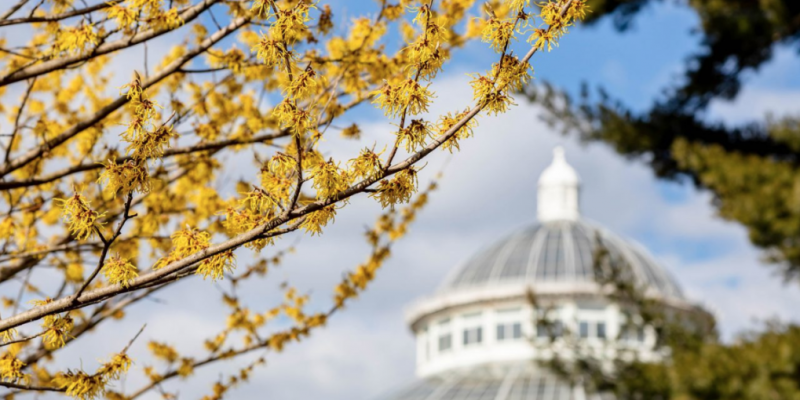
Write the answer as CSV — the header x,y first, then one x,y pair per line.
x,y
316,220
119,271
81,220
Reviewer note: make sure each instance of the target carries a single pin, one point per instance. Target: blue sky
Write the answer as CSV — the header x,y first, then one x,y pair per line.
x,y
367,350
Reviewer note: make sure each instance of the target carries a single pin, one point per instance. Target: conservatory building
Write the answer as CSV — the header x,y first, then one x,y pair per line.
x,y
482,337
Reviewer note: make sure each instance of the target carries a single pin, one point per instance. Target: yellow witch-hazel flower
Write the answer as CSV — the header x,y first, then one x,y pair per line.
x,y
414,97
123,16
134,88
316,220
81,385
163,351
11,369
293,117
118,270
414,135
282,164
232,59
543,39
329,180
271,51
262,9
57,329
290,24
368,164
303,85
151,144
8,335
399,189
408,96
130,176
494,101
216,265
81,220
185,242
512,73
75,40
170,19
498,33
189,241
448,121
518,6
113,369
258,201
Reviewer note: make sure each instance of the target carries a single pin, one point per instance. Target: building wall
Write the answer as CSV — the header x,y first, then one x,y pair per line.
x,y
434,357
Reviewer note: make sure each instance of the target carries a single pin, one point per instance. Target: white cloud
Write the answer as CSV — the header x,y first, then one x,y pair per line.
x,y
488,190
755,103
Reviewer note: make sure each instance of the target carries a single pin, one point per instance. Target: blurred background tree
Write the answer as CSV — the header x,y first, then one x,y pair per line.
x,y
751,169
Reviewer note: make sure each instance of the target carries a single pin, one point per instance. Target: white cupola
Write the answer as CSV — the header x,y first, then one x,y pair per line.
x,y
559,186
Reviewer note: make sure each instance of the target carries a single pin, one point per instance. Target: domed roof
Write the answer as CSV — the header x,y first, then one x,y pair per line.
x,y
514,381
558,252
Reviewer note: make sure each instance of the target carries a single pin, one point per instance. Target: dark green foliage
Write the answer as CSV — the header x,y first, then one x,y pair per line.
x,y
752,170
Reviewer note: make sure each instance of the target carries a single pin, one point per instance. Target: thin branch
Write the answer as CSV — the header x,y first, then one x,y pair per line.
x,y
107,245
16,120
13,9
31,387
59,17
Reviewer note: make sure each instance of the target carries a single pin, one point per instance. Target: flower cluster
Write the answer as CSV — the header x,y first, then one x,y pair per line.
x,y
414,135
75,40
316,220
11,367
83,386
448,121
185,242
407,96
81,220
119,270
216,265
366,165
57,329
398,189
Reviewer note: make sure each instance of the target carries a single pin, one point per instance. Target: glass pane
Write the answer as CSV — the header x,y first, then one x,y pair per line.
x,y
517,330
444,342
584,329
501,332
601,330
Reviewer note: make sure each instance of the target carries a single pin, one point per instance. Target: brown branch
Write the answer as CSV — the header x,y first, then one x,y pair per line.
x,y
90,166
59,17
107,245
25,339
16,120
13,9
30,387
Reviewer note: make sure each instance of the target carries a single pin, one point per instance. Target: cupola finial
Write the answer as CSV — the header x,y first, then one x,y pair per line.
x,y
559,187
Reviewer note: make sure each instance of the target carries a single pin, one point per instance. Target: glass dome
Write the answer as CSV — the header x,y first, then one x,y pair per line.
x,y
558,252
520,381
480,337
